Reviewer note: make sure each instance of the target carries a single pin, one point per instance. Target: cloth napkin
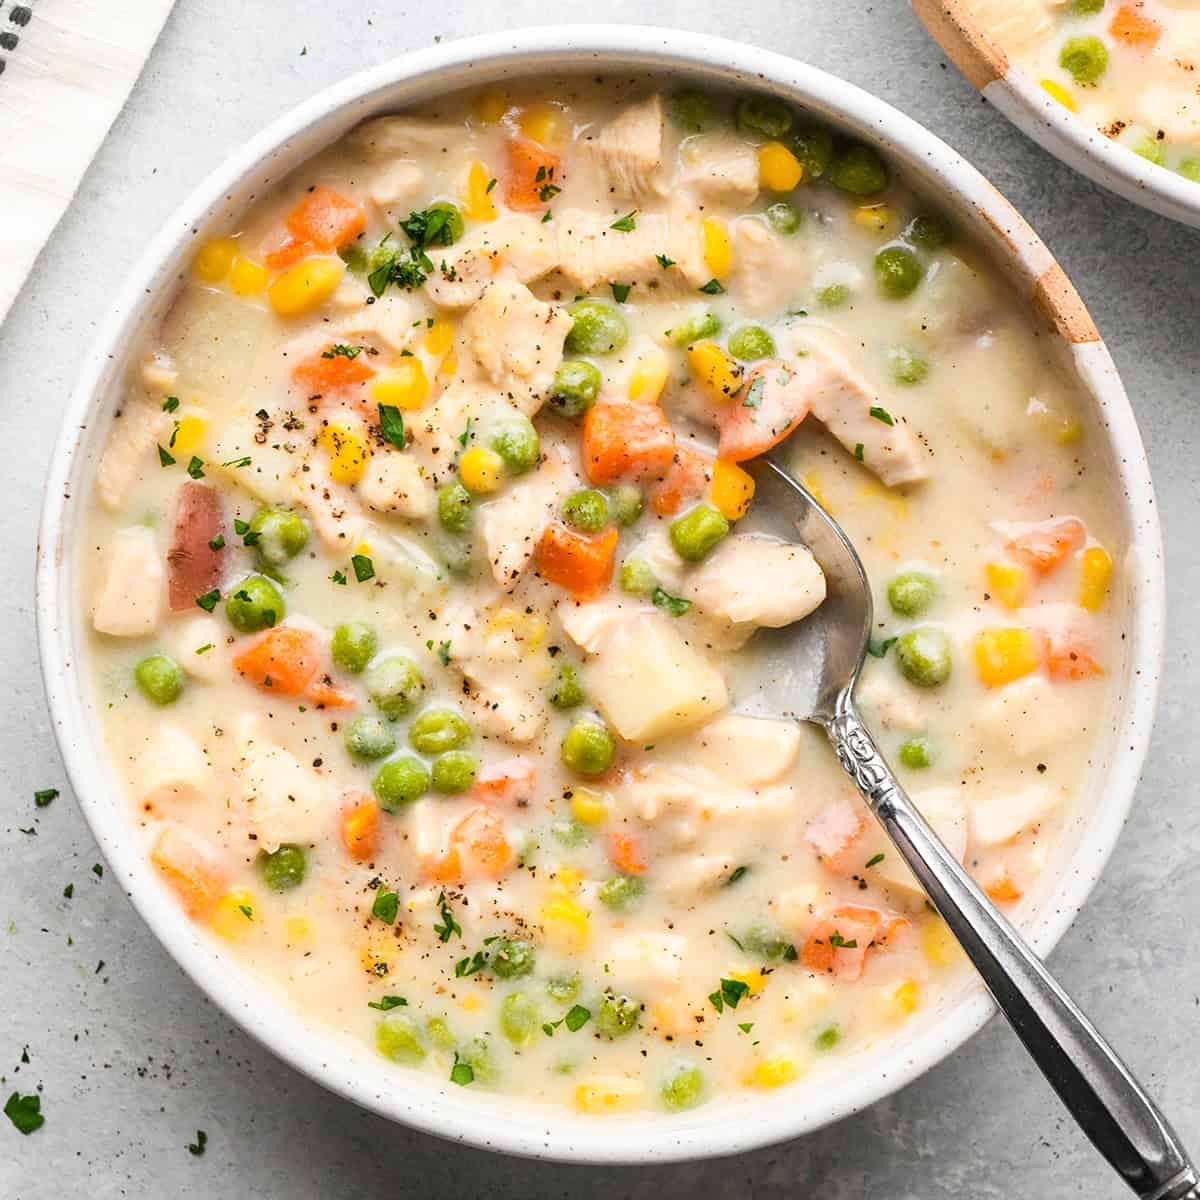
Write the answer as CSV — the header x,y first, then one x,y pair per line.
x,y
66,68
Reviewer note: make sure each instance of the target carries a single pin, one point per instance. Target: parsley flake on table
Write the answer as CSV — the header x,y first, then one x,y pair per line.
x,y
197,1147
45,796
25,1112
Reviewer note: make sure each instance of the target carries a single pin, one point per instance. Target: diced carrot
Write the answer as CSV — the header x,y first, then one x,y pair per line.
x,y
581,563
534,175
193,566
360,827
1000,885
1134,28
328,372
191,867
287,253
773,401
836,836
326,694
478,847
282,660
625,437
506,782
327,219
839,942
1070,635
625,853
686,479
445,869
1044,545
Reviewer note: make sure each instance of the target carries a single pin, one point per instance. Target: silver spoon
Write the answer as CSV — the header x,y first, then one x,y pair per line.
x,y
808,672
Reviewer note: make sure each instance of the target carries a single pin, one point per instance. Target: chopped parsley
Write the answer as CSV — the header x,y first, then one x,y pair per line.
x,y
342,351
387,1003
879,649
668,603
364,568
839,943
443,653
97,870
465,436
430,226
882,414
68,891
209,600
471,965
205,648
391,425
170,404
45,796
165,459
217,543
339,578
745,1026
626,224
461,1073
246,911
386,906
858,451
197,1147
238,463
621,291
449,926
393,268
25,1112
548,215
664,261
875,860
736,874
491,183
712,288
730,994
195,468
577,1018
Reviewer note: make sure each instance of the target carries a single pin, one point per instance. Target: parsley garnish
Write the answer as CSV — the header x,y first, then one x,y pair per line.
x,y
548,215
165,459
745,1026
858,451
25,1112
626,224
339,578
391,425
430,226
342,351
461,1073
465,436
712,288
491,183
97,870
664,261
205,648
197,1147
195,468
449,926
470,965
68,891
246,911
621,291
170,404
443,653
839,943
407,273
387,1003
882,414
735,875
364,568
45,796
875,860
668,603
237,463
386,906
547,192
209,600
217,543
879,649
577,1018
730,994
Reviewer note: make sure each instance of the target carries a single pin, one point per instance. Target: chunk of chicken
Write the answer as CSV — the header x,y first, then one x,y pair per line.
x,y
395,183
404,137
391,322
644,961
588,624
213,337
682,877
333,509
518,341
512,523
1017,25
720,168
514,246
744,751
199,645
592,253
1028,717
770,271
437,429
132,594
1000,817
394,486
140,424
627,152
757,579
172,768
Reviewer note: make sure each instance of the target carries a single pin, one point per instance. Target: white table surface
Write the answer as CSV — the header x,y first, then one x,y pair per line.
x,y
133,1059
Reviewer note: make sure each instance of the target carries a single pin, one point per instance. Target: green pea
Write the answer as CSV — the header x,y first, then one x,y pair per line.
x,y
277,535
575,388
519,1018
159,679
897,272
923,656
1189,168
353,646
454,507
450,230
563,989
828,1038
929,233
394,684
763,115
616,1015
511,958
621,892
784,218
440,1033
477,1055
586,510
516,441
457,555
813,146
454,771
437,730
858,170
768,943
917,753
751,342
626,503
683,1088
692,109
566,691
400,782
695,533
369,737
1085,8
695,328
1086,58
1151,149
571,833
398,1037
911,593
598,329
285,868
588,748
834,295
254,604
637,578
908,367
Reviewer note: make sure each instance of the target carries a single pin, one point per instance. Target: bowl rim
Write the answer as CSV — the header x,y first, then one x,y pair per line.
x,y
432,1107
1050,124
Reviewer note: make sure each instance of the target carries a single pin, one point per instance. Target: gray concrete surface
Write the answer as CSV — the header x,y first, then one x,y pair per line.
x,y
133,1059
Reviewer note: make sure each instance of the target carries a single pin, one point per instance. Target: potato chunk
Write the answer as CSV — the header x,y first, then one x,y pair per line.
x,y
132,595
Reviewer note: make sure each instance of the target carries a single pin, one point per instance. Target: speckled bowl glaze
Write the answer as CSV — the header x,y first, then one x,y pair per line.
x,y
740,1121
1038,115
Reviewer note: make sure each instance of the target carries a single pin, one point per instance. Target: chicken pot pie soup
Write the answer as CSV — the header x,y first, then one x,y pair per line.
x,y
426,572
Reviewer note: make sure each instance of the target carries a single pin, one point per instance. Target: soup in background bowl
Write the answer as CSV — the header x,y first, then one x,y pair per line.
x,y
417,577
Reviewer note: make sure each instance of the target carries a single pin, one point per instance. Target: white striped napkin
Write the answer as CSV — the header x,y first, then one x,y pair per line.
x,y
66,68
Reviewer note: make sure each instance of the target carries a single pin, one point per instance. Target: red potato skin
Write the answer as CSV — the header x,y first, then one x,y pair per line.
x,y
193,566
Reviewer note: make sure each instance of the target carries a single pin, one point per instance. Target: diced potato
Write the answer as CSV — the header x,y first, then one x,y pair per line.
x,y
198,645
745,751
645,961
285,799
1000,817
1028,717
212,338
132,595
393,484
607,1093
172,768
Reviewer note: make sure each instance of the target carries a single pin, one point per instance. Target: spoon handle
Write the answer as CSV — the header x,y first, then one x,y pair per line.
x,y
1110,1106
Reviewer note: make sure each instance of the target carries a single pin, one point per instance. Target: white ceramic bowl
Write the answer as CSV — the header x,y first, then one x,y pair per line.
x,y
1038,115
739,1122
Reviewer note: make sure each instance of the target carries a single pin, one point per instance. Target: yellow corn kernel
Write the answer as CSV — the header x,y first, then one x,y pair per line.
x,y
233,915
440,337
669,1015
213,259
905,999
191,427
773,1072
404,386
528,629
812,483
476,194
481,470
876,217
731,490
1063,427
938,944
588,807
1067,431
306,286
297,930
715,371
1097,568
649,376
607,1094
753,978
348,453
246,277
1005,653
544,123
718,249
566,923
379,950
1008,582
779,170
449,365
363,548
568,878
489,106
471,1003
1054,88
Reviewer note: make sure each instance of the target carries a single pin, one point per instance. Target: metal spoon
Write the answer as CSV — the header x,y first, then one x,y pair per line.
x,y
808,672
